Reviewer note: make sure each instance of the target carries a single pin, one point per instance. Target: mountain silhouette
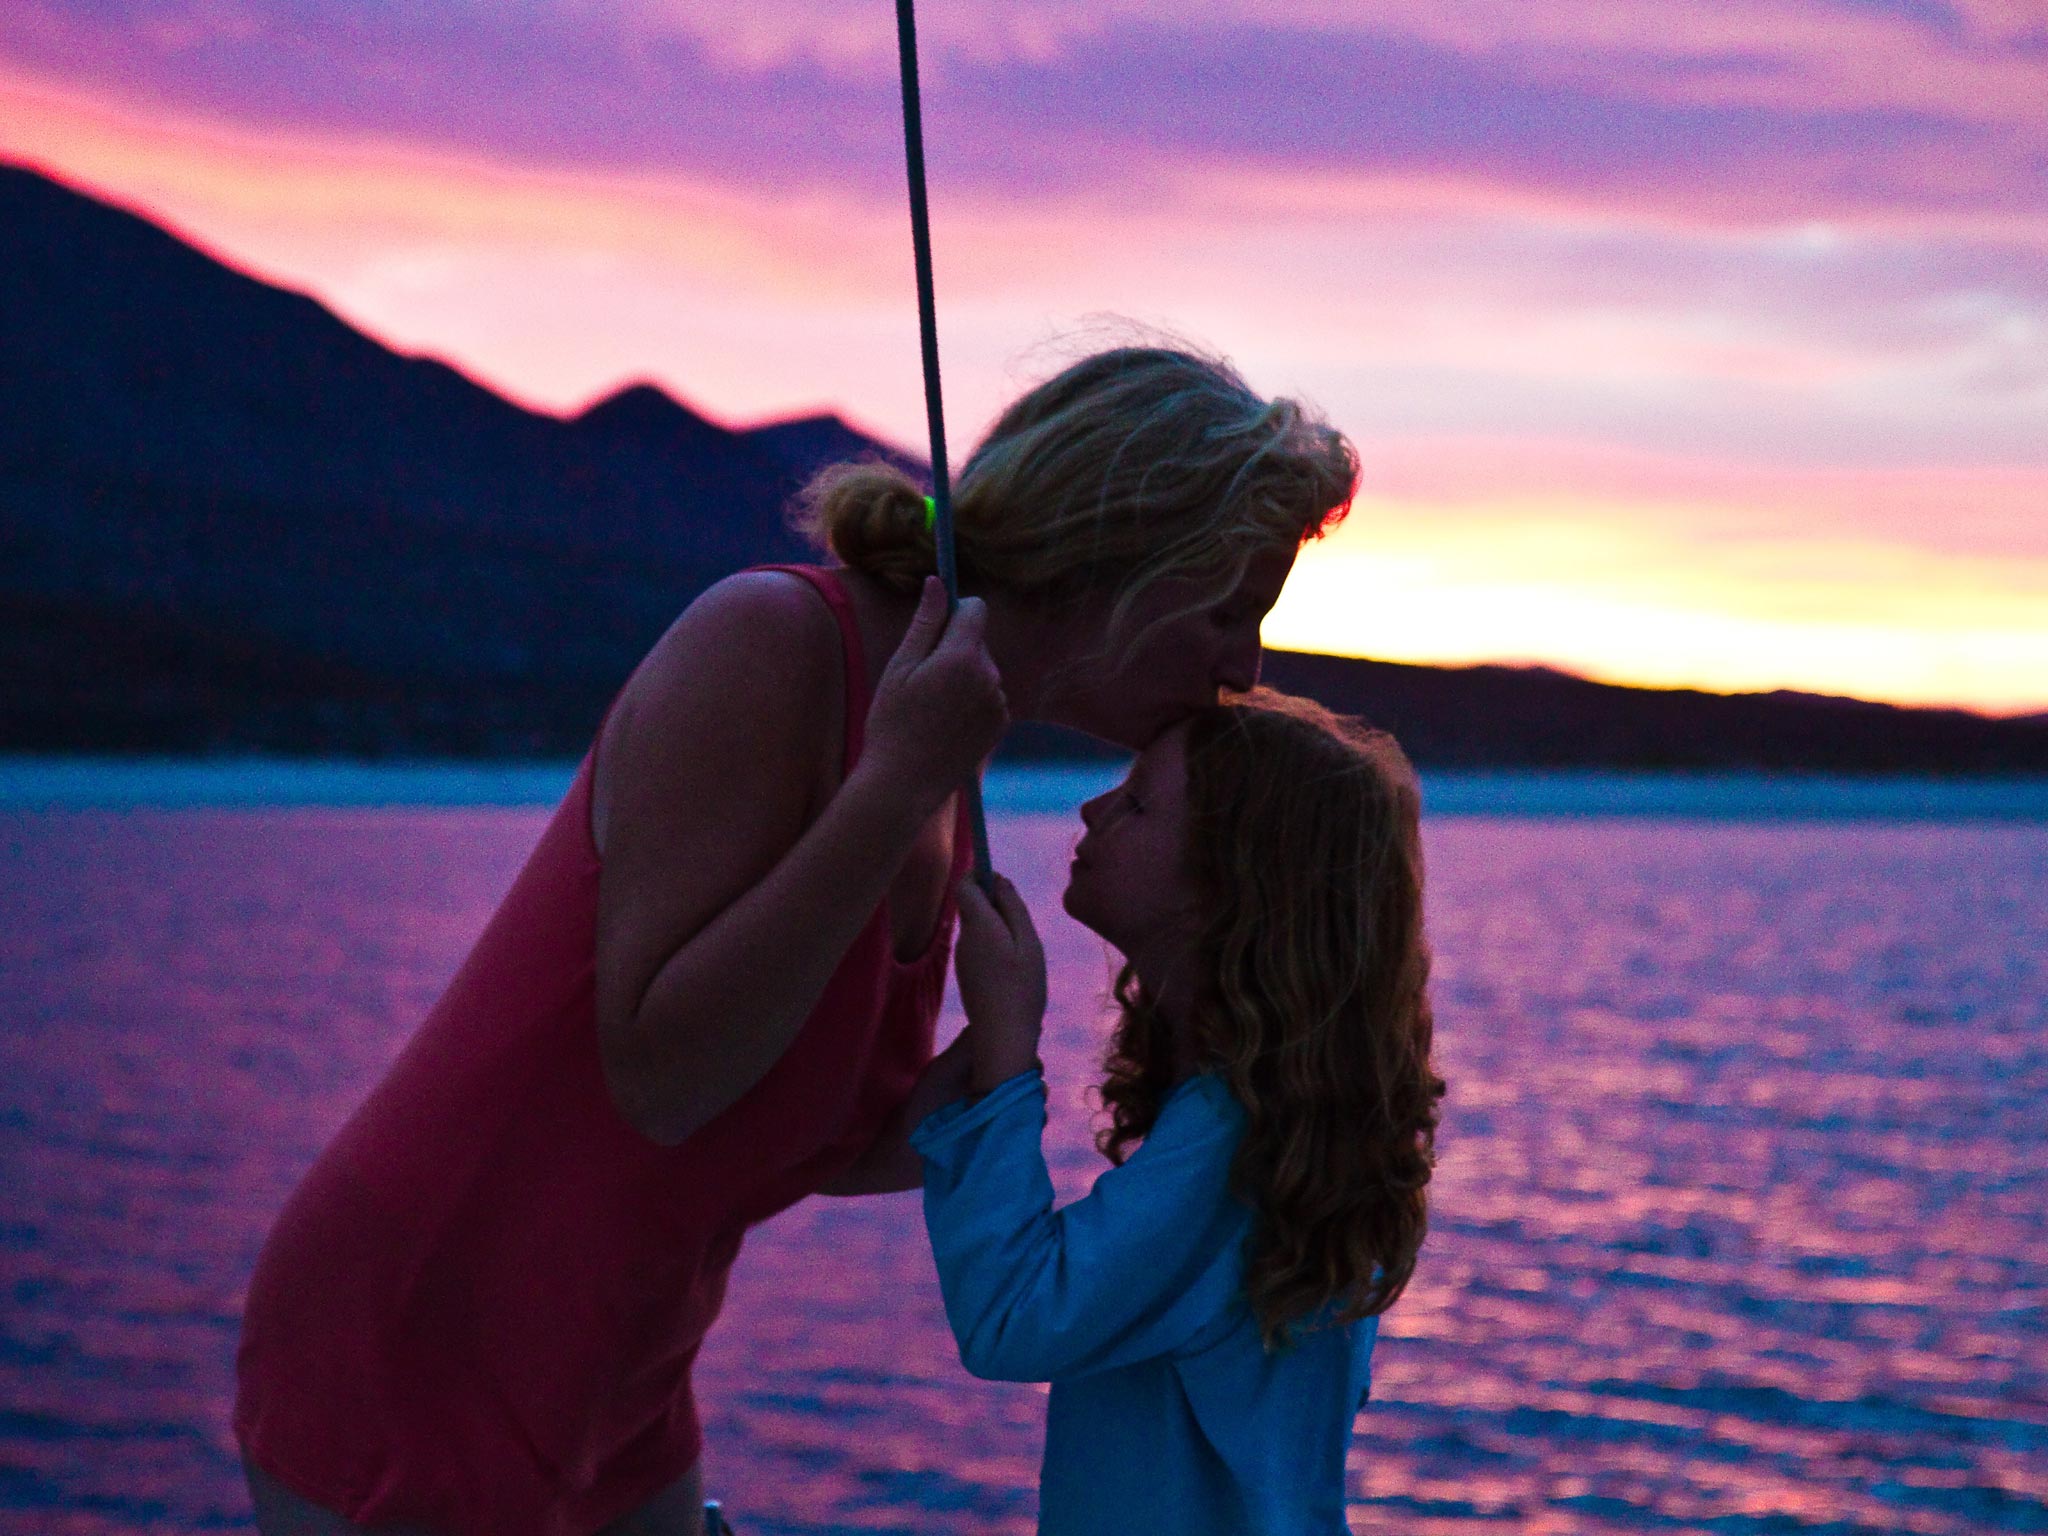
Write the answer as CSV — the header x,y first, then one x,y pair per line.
x,y
231,521
1537,717
226,467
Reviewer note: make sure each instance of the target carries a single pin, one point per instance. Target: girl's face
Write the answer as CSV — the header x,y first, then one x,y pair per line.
x,y
1129,881
1181,665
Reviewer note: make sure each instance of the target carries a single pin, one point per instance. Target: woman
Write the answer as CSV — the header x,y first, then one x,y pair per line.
x,y
711,990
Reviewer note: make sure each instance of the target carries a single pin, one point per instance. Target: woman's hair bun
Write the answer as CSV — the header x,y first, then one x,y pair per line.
x,y
872,516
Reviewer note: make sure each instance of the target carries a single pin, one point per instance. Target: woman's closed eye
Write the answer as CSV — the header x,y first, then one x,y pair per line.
x,y
1119,805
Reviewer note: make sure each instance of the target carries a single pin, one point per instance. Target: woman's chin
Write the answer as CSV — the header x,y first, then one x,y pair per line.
x,y
1131,724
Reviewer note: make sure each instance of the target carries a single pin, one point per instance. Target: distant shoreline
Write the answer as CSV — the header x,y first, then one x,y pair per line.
x,y
56,783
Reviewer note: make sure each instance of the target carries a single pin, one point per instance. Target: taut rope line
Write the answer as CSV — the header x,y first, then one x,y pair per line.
x,y
928,331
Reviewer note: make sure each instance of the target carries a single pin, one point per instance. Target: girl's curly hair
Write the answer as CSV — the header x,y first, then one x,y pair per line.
x,y
1311,1000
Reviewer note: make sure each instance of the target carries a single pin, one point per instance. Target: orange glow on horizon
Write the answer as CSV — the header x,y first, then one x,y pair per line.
x,y
1584,589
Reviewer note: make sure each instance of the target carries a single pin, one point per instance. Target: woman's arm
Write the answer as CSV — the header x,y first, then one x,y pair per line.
x,y
721,915
890,1165
1000,967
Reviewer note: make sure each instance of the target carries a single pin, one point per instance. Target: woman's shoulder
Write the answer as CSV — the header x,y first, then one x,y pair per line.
x,y
745,681
764,604
755,638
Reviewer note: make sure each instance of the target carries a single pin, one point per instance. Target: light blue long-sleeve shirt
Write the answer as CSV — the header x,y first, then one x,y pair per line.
x,y
1166,1412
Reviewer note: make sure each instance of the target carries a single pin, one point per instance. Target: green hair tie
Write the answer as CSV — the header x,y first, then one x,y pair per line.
x,y
931,514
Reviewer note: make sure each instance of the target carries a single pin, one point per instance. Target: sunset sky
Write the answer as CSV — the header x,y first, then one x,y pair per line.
x,y
1691,342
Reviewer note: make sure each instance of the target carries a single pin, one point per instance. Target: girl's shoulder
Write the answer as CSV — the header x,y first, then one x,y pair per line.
x,y
1207,1094
1200,1108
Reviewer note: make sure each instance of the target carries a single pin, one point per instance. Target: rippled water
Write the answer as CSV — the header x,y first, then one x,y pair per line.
x,y
1740,1221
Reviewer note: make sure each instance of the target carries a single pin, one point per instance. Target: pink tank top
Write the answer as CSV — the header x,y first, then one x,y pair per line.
x,y
479,1309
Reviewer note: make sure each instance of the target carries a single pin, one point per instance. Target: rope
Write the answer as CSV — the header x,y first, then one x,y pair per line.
x,y
928,332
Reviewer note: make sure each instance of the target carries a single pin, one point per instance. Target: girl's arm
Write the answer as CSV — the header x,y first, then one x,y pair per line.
x,y
721,915
1135,1270
1132,1271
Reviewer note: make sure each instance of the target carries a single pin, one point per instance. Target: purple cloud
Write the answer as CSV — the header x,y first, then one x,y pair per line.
x,y
1730,127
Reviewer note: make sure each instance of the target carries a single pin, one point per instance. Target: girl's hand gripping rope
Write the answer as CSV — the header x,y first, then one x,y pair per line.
x,y
1001,970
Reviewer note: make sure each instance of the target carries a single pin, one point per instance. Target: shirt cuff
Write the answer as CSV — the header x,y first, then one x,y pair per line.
x,y
949,1122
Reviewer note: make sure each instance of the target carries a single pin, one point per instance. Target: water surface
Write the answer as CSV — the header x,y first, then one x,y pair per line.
x,y
1740,1221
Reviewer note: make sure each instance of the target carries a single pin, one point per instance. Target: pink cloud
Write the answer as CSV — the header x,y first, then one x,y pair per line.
x,y
1978,510
1746,111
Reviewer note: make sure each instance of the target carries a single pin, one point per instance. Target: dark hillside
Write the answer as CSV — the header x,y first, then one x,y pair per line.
x,y
230,460
1496,716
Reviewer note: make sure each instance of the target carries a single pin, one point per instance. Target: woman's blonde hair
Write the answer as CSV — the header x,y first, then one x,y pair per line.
x,y
1304,844
1132,466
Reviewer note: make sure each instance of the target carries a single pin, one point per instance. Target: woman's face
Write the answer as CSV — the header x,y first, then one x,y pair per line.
x,y
1129,880
1180,666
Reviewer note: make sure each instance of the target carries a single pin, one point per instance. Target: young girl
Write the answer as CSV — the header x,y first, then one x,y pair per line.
x,y
1206,1315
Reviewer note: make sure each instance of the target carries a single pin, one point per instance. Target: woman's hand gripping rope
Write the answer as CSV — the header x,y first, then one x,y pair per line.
x,y
938,709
